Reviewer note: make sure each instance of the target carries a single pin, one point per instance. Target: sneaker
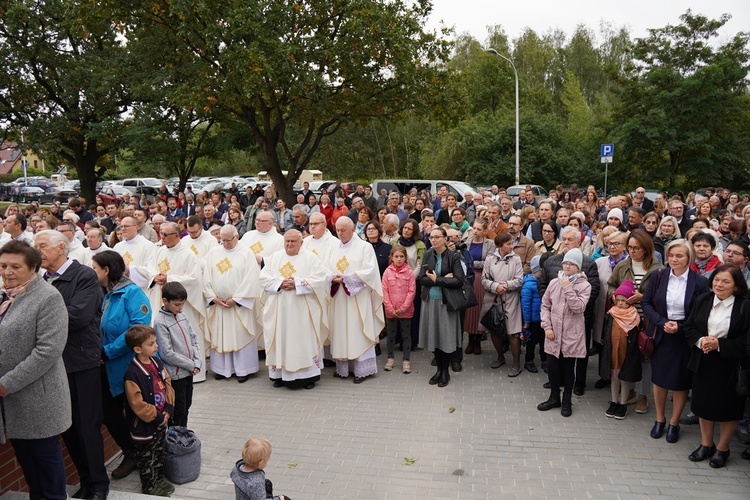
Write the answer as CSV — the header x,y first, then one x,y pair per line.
x,y
621,411
612,410
641,404
632,397
743,433
531,367
689,419
389,364
406,367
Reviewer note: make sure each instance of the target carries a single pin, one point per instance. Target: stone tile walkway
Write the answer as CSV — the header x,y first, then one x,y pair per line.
x,y
396,437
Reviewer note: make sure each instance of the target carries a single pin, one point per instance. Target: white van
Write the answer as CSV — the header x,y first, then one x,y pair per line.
x,y
403,186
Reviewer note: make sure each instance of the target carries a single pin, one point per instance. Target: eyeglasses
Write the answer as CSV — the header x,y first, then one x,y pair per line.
x,y
614,243
634,249
734,253
436,237
548,231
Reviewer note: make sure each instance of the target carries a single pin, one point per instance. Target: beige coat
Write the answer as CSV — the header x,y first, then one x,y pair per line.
x,y
509,272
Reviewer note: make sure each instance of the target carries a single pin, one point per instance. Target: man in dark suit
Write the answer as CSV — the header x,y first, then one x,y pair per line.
x,y
79,287
676,209
306,191
640,200
189,207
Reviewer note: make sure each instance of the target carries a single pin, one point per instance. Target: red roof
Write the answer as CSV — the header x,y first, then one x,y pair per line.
x,y
9,156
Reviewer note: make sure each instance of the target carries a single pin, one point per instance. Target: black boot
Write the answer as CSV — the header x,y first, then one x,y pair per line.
x,y
435,378
567,405
552,402
456,358
443,366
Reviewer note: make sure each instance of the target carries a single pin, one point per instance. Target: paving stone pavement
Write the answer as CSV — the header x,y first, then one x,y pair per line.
x,y
342,440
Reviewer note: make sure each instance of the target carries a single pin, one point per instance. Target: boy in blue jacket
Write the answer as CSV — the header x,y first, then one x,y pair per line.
x,y
531,307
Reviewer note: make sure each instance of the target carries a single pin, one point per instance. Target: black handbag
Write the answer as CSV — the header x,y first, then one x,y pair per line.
x,y
458,299
494,319
743,381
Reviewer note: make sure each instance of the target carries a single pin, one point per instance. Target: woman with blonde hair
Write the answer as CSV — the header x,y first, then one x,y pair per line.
x,y
528,215
668,230
600,245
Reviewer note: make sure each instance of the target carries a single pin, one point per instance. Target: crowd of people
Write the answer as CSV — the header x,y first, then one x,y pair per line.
x,y
216,275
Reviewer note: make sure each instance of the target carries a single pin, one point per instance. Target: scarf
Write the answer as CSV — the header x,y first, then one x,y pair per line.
x,y
404,242
10,294
464,226
614,262
702,266
627,318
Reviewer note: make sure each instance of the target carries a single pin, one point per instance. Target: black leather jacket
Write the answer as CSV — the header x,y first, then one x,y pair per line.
x,y
451,263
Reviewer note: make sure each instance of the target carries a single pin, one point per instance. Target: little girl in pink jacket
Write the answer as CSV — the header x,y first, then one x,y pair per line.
x,y
399,288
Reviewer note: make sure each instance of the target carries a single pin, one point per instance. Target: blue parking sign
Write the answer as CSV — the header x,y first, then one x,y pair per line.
x,y
607,150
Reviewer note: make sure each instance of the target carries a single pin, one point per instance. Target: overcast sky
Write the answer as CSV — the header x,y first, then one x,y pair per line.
x,y
473,16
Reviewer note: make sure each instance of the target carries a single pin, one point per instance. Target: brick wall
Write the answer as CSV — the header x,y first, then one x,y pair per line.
x,y
11,476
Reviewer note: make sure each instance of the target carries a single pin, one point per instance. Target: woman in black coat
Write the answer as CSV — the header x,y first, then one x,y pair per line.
x,y
716,330
669,360
439,328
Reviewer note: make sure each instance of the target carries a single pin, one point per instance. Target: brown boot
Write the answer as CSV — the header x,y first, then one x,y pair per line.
x,y
477,344
126,466
470,346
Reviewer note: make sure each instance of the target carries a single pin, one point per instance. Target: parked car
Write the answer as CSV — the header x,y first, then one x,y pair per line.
x,y
403,186
113,194
30,193
151,192
539,191
57,193
349,187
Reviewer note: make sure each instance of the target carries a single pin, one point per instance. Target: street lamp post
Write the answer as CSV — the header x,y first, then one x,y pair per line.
x,y
515,73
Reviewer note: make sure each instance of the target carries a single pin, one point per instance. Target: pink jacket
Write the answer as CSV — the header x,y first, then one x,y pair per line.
x,y
399,288
562,311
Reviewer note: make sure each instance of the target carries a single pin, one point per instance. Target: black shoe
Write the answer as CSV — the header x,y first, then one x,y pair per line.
x,y
434,361
596,348
445,378
578,390
689,419
378,351
673,433
621,412
546,385
243,379
701,453
746,454
309,386
657,430
359,380
434,379
329,363
219,377
99,495
719,459
336,375
552,402
610,412
82,492
531,367
601,383
456,366
278,383
567,406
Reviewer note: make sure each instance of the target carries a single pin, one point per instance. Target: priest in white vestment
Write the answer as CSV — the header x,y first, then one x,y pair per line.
x,y
263,242
176,262
76,250
356,312
320,242
138,253
294,314
230,283
198,240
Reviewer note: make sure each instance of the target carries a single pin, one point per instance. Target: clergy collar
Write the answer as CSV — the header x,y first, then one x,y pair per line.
x,y
133,240
347,244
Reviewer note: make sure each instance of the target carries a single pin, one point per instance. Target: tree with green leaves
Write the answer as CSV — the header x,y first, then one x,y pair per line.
x,y
683,114
64,81
294,72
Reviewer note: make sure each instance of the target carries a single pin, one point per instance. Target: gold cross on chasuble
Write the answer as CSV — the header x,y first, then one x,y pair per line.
x,y
127,258
224,265
342,264
257,247
164,266
287,270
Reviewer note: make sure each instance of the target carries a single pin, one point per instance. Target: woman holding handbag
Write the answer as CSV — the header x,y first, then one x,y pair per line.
x,y
668,299
716,331
502,279
440,328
